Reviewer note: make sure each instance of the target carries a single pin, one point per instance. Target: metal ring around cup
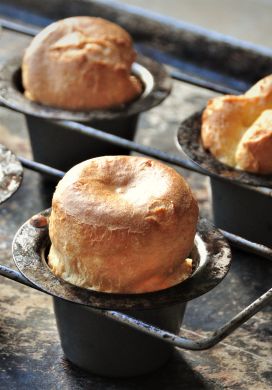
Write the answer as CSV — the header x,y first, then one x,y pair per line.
x,y
157,86
11,173
189,140
212,257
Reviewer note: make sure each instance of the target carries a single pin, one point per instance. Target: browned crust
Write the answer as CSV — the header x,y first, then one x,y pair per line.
x,y
122,224
226,121
80,63
254,151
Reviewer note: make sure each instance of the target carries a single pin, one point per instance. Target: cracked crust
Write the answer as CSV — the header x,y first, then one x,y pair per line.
x,y
238,129
80,63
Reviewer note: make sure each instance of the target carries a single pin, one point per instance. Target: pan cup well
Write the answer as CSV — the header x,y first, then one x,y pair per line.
x,y
61,148
99,344
189,140
240,200
211,258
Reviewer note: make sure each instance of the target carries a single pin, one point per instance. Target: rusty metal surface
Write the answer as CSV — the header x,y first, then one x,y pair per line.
x,y
30,352
190,142
11,173
157,86
211,260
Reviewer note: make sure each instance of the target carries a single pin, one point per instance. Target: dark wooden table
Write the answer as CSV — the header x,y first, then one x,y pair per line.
x,y
30,352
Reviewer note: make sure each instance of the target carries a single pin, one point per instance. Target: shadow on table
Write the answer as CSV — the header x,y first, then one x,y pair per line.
x,y
176,374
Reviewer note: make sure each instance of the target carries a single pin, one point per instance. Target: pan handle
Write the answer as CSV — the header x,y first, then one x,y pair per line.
x,y
16,276
171,338
194,345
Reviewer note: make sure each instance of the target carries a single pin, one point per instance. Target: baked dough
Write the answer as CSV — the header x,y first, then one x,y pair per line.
x,y
80,63
122,224
238,129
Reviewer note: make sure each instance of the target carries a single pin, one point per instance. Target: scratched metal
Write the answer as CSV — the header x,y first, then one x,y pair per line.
x,y
211,257
11,173
156,81
189,140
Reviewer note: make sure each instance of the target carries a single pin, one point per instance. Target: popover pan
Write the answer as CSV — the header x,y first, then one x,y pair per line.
x,y
93,341
241,201
56,146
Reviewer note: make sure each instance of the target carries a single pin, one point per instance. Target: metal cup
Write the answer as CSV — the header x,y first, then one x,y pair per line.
x,y
90,336
104,347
